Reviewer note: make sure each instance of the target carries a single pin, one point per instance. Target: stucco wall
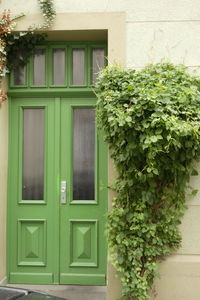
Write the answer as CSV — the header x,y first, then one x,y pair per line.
x,y
153,30
156,29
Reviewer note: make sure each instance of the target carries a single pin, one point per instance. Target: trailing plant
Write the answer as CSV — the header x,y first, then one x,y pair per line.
x,y
48,12
17,48
151,120
7,24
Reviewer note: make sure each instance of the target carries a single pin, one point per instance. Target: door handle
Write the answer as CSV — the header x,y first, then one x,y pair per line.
x,y
63,192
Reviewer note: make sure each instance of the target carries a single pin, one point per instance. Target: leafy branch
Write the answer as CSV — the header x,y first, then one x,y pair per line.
x,y
48,12
13,45
151,120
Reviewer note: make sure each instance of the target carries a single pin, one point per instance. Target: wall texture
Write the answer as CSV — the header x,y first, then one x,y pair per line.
x,y
153,30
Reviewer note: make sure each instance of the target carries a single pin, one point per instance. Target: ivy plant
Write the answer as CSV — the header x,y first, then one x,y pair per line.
x,y
48,12
11,44
19,47
151,120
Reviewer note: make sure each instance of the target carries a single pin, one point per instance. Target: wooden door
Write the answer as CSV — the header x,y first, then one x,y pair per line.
x,y
56,236
83,169
33,210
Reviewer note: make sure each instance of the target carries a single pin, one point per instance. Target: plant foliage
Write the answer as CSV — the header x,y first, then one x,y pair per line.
x,y
19,47
7,24
16,49
48,12
151,120
13,45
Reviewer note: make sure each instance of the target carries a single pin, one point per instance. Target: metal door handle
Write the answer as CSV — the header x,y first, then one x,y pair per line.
x,y
63,192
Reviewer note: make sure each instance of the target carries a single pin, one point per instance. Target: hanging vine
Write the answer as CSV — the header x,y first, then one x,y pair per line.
x,y
48,12
7,24
24,43
151,120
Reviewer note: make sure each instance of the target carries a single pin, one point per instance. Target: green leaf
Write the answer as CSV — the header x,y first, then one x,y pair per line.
x,y
194,172
128,119
151,123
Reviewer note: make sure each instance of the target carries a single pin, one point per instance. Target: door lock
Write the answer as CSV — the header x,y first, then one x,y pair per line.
x,y
63,192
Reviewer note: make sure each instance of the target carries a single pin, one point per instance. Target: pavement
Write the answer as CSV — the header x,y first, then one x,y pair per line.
x,y
69,292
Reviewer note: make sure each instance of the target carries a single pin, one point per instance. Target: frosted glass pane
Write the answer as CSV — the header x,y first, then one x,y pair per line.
x,y
39,67
33,155
59,66
98,57
78,66
19,72
83,153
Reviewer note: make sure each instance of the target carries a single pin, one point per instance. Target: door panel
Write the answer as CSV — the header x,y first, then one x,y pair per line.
x,y
33,206
83,245
32,239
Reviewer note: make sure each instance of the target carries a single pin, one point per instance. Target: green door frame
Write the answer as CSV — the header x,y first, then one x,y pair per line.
x,y
28,95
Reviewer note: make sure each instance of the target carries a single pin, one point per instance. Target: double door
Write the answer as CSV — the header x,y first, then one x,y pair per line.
x,y
57,193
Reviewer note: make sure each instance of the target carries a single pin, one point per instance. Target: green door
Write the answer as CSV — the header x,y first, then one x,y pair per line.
x,y
82,253
57,192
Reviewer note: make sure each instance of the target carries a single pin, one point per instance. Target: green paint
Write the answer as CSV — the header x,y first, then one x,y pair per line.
x,y
50,242
82,216
26,211
68,46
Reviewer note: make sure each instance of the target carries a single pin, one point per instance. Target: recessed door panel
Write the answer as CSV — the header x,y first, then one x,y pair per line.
x,y
32,242
83,243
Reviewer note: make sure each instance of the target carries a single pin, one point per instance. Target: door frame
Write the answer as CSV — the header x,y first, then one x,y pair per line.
x,y
46,92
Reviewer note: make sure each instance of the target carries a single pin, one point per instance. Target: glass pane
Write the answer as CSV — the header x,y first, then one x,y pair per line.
x,y
83,154
33,155
39,67
19,72
78,66
59,66
98,57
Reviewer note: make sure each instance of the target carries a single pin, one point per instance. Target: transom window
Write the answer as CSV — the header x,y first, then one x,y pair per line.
x,y
67,65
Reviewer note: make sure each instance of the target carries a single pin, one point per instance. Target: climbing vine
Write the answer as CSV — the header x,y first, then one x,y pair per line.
x,y
151,120
48,12
13,45
7,24
19,48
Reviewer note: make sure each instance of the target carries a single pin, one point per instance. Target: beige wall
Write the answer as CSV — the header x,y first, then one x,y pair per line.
x,y
155,29
180,273
146,31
